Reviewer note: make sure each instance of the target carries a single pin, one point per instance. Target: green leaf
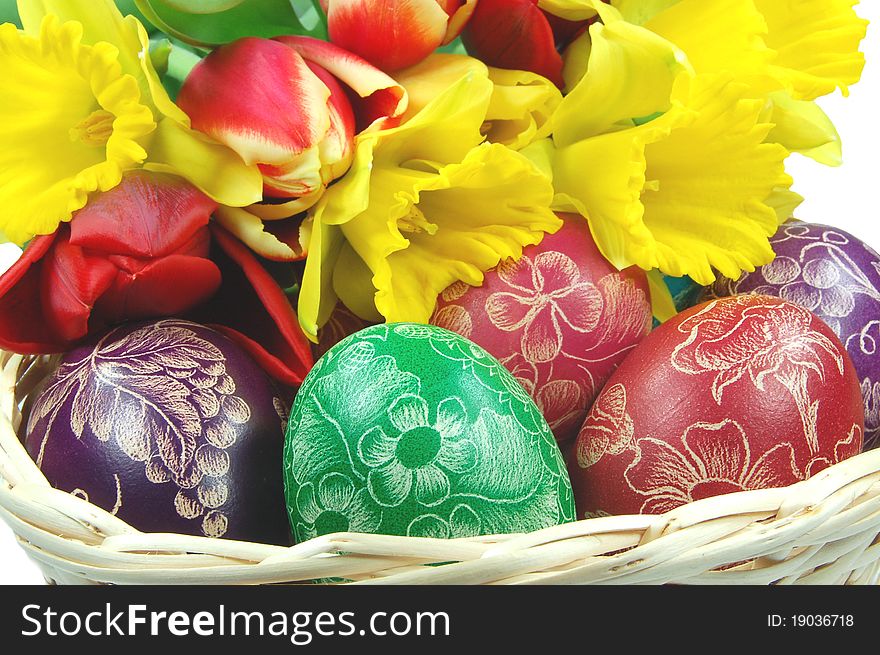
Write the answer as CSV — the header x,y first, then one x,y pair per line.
x,y
173,62
9,12
262,18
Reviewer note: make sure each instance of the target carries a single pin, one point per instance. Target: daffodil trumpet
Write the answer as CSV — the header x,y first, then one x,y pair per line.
x,y
115,117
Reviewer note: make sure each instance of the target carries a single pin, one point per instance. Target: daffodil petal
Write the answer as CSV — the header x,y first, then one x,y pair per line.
x,y
718,36
640,12
603,178
430,78
801,126
632,73
521,108
317,299
707,209
577,9
213,168
662,303
446,129
353,284
488,208
102,21
783,201
817,42
96,134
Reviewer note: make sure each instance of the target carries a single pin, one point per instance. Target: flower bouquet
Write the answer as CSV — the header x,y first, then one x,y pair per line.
x,y
336,290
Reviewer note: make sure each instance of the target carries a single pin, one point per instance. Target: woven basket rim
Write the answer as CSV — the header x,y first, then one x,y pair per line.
x,y
823,530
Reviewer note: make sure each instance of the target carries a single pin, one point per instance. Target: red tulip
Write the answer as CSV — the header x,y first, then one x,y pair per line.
x,y
252,310
145,250
395,34
137,251
285,106
516,34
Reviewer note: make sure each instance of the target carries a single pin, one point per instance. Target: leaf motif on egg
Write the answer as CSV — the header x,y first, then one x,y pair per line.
x,y
768,339
158,390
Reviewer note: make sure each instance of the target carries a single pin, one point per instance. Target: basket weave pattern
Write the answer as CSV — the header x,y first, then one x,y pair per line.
x,y
820,531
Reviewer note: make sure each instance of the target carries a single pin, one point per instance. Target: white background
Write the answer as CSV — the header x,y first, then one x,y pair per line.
x,y
846,197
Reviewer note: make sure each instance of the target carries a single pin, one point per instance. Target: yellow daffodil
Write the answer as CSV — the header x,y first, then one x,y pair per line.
x,y
522,103
670,167
82,104
424,205
787,52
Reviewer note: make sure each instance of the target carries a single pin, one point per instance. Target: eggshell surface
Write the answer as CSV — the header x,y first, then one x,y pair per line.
x,y
739,393
837,277
561,319
412,430
171,427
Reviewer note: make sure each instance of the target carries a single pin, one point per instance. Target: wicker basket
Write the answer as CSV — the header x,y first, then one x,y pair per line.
x,y
820,531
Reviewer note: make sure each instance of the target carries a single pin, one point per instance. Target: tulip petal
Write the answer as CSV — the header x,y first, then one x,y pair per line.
x,y
250,230
259,98
147,215
384,99
70,284
23,325
263,322
514,35
164,287
390,35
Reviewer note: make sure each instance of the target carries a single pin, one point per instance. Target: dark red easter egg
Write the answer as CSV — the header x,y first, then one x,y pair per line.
x,y
561,319
171,427
837,277
740,393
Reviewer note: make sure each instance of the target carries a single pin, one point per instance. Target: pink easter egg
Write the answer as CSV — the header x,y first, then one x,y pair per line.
x,y
561,319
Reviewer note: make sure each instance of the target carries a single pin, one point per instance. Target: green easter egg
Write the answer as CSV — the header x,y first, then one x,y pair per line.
x,y
413,430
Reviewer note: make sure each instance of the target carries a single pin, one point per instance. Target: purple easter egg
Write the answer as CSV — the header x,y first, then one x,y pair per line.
x,y
837,277
171,427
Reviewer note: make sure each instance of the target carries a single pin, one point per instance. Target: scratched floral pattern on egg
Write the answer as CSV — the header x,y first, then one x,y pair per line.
x,y
163,395
738,393
560,318
837,277
413,430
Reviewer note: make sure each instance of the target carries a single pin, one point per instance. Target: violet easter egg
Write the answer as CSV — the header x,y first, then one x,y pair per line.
x,y
739,393
412,430
170,426
561,318
837,277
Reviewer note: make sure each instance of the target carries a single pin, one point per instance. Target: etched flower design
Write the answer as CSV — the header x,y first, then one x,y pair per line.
x,y
608,428
562,403
815,285
714,459
415,460
844,448
463,522
335,506
547,293
735,337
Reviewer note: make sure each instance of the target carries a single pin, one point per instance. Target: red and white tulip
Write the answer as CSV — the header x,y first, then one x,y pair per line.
x,y
286,106
395,34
